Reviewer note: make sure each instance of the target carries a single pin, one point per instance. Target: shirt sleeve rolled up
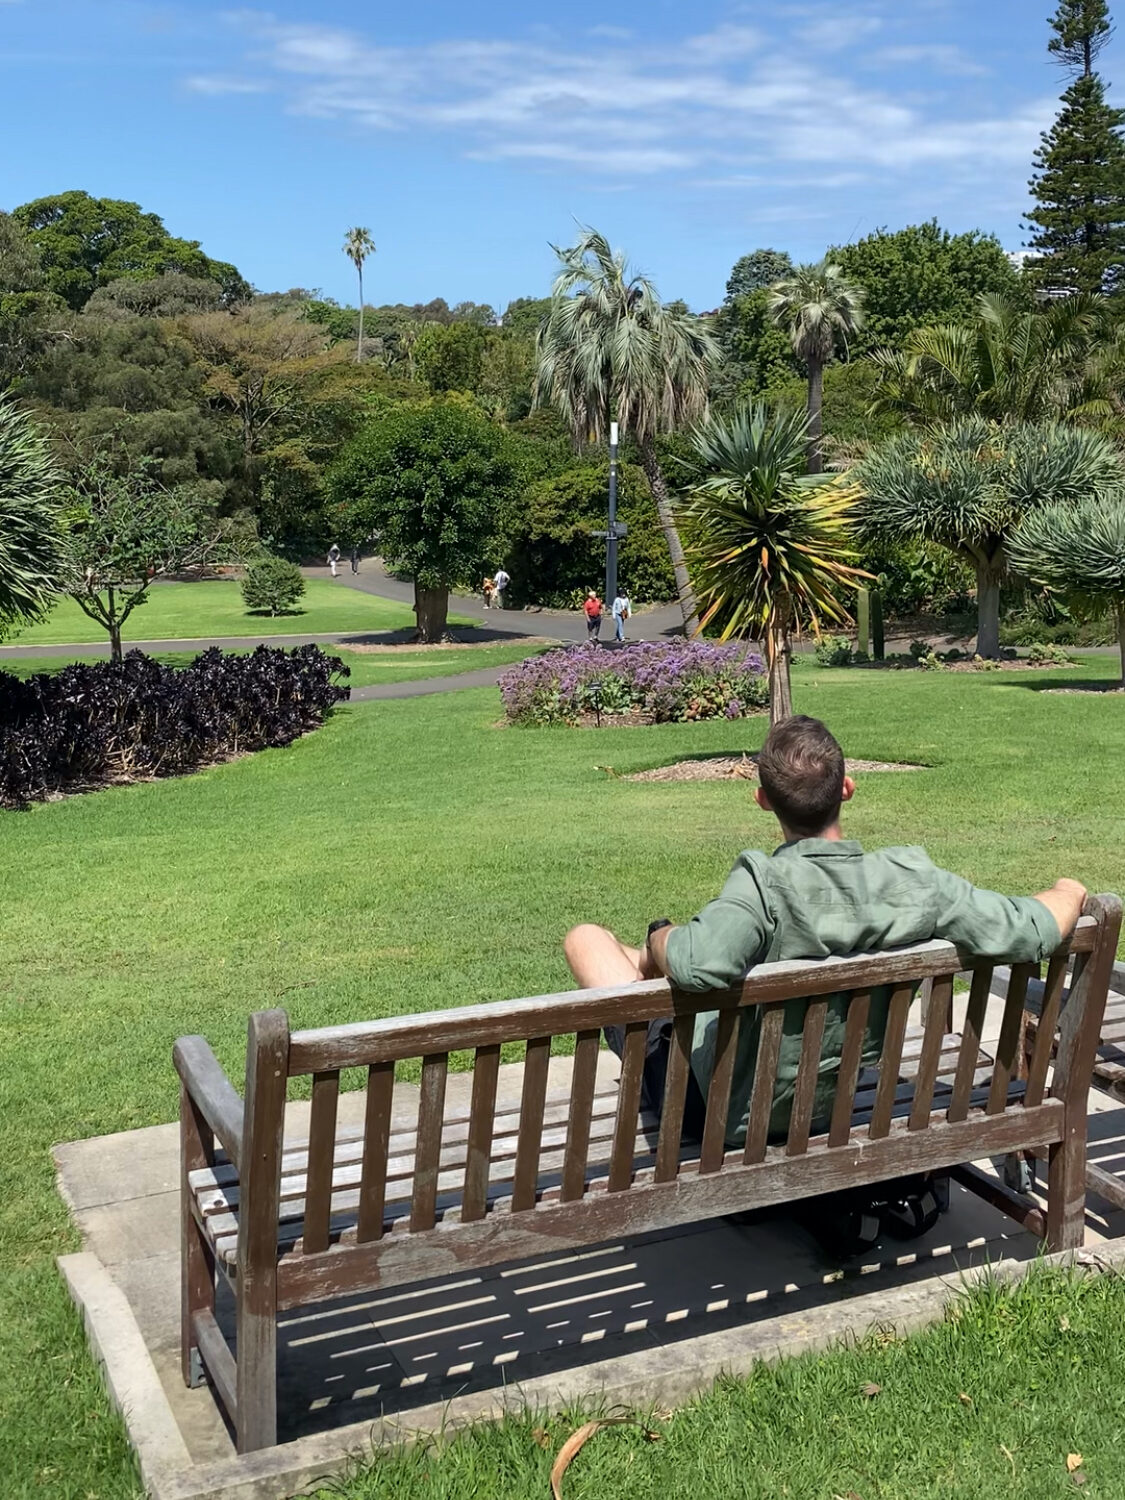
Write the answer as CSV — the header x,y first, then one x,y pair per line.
x,y
990,925
715,949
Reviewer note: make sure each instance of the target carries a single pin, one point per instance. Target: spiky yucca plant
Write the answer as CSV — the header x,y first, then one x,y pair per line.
x,y
966,487
30,505
1079,551
771,545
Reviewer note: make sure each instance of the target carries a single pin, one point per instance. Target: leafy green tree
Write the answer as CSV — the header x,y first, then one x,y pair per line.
x,y
449,357
819,308
549,544
1008,364
850,425
760,354
526,315
922,275
28,311
87,242
273,585
611,351
1078,224
757,271
358,245
30,508
431,479
124,531
772,546
967,486
170,295
1077,550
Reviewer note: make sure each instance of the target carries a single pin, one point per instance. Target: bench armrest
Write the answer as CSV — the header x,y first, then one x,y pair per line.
x,y
212,1092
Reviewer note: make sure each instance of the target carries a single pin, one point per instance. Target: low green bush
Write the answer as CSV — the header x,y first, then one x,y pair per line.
x,y
273,585
834,651
1048,655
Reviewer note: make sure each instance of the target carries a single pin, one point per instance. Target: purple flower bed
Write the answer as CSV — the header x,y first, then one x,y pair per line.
x,y
665,681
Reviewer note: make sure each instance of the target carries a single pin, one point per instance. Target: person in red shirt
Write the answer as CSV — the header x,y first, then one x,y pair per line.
x,y
593,608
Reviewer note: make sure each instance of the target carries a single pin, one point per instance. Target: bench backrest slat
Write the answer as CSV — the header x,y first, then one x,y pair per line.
x,y
937,1012
718,1093
1045,1031
970,1044
482,1113
427,1153
765,1080
535,1068
584,1082
898,1013
628,1107
376,1142
851,1058
808,1075
675,1097
322,1141
1011,1028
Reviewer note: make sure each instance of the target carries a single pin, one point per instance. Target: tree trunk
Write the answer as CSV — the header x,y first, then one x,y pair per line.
x,y
1121,639
815,463
431,606
988,611
653,473
777,655
115,651
359,342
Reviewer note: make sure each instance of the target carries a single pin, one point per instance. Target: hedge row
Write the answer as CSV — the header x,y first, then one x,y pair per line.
x,y
92,725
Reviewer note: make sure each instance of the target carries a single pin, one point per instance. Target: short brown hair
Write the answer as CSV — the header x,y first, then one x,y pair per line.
x,y
801,768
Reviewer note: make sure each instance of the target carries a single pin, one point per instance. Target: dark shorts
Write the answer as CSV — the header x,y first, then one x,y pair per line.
x,y
593,624
657,1048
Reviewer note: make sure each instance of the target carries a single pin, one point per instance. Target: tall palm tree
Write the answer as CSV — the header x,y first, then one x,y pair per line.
x,y
358,245
772,544
816,306
1010,364
610,351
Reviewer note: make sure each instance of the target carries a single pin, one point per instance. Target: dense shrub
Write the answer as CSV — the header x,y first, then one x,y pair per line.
x,y
273,585
919,578
89,725
1030,628
674,681
834,651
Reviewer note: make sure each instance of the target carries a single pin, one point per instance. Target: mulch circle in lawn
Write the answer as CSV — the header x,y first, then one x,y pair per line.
x,y
744,768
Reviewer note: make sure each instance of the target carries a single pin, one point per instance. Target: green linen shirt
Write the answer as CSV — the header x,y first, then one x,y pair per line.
x,y
818,898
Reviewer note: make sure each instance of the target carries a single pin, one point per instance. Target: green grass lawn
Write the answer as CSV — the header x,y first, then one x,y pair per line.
x,y
410,855
368,668
195,611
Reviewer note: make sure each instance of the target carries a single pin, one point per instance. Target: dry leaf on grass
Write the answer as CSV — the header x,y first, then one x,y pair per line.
x,y
1073,1461
540,1435
581,1436
871,1389
965,1399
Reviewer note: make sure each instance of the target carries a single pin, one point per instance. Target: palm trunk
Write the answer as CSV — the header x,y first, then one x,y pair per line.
x,y
653,473
431,606
988,611
816,416
777,656
359,341
1121,638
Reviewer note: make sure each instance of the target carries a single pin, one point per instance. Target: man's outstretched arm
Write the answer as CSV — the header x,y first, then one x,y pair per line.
x,y
1064,901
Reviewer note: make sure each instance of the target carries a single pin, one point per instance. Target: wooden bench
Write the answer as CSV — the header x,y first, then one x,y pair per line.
x,y
293,1223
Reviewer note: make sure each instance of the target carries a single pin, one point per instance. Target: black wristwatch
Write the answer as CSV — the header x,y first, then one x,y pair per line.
x,y
658,924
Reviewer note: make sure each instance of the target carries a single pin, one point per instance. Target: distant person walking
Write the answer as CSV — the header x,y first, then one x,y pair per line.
x,y
593,609
500,582
489,592
333,558
355,559
622,609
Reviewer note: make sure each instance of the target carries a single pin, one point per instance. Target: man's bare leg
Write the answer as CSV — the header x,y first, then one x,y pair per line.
x,y
598,959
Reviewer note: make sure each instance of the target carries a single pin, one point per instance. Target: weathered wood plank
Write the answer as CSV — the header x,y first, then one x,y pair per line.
x,y
765,1079
851,1057
898,1011
1045,1027
431,1103
808,1075
322,1143
718,1092
968,1060
937,1021
587,1010
536,1063
1007,1048
216,1098
628,1106
583,1088
218,1361
478,1144
376,1139
668,1150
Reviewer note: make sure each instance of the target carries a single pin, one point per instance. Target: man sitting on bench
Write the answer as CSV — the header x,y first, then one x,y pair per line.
x,y
816,896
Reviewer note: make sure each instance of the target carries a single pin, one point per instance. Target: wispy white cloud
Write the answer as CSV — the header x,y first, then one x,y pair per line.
x,y
707,107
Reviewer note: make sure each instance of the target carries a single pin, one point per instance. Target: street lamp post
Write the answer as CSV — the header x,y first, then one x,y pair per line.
x,y
611,536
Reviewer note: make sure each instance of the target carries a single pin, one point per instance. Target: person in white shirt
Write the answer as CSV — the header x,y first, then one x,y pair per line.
x,y
500,581
333,558
622,609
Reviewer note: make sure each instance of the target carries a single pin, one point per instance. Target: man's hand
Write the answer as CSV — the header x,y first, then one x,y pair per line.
x,y
652,965
1064,901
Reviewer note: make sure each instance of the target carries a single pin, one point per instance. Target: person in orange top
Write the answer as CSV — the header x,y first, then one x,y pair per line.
x,y
593,608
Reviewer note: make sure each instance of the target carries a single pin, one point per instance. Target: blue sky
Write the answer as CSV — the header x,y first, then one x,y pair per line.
x,y
469,137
